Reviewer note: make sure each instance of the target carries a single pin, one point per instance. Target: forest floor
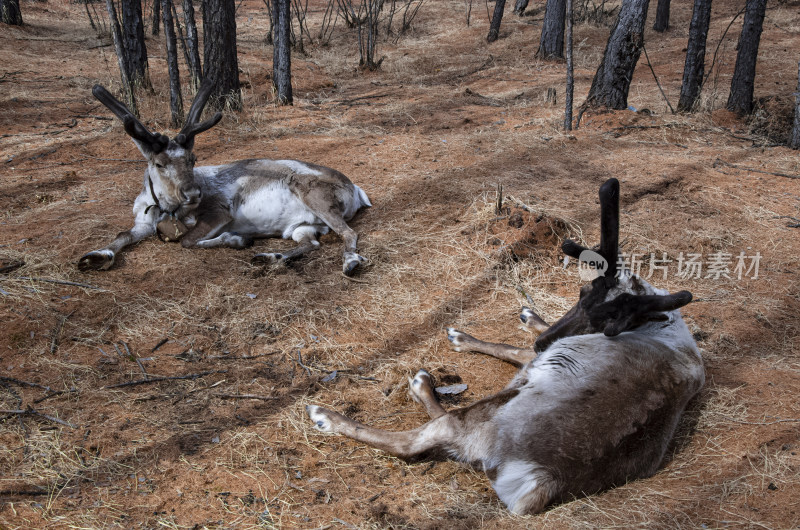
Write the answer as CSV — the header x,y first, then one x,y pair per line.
x,y
429,136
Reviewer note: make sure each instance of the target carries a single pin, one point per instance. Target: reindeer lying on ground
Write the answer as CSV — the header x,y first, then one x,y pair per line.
x,y
231,204
594,405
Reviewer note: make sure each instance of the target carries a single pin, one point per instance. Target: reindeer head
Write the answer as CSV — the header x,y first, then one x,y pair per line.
x,y
170,162
618,300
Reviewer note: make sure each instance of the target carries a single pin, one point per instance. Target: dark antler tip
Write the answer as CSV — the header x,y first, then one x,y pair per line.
x,y
610,188
98,90
684,297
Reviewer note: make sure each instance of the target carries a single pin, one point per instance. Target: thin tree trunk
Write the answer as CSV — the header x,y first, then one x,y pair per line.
x,y
497,17
281,53
694,68
175,98
195,67
551,43
662,16
794,140
10,12
122,60
744,73
221,64
133,42
568,93
612,81
156,17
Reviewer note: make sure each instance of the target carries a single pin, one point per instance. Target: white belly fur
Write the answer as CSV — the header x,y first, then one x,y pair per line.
x,y
274,211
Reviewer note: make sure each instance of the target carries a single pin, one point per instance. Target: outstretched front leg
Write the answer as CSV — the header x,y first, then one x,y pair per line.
x,y
144,226
461,341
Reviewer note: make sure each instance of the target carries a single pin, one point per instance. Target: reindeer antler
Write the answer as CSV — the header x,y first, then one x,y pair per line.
x,y
609,229
191,128
155,141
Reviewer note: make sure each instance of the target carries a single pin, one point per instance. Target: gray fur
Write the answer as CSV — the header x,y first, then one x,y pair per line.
x,y
233,204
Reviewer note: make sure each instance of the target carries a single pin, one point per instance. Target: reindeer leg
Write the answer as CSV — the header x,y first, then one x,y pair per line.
x,y
306,237
144,226
210,232
517,356
324,204
420,388
460,341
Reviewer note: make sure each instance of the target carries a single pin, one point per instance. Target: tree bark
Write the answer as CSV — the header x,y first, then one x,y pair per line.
x,y
612,81
133,42
122,60
219,53
551,43
694,68
195,67
568,93
175,98
794,139
744,73
10,12
497,17
156,17
281,53
662,16
520,6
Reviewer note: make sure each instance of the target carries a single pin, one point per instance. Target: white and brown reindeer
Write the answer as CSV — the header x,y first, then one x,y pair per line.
x,y
595,403
229,205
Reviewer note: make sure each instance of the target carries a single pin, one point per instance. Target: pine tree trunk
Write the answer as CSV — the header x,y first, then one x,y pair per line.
x,y
10,12
156,17
195,67
122,59
613,78
662,16
175,98
281,53
133,42
694,68
570,89
794,140
744,73
497,17
219,52
520,6
551,43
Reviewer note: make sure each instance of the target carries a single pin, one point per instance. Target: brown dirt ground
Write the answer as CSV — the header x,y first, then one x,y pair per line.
x,y
428,137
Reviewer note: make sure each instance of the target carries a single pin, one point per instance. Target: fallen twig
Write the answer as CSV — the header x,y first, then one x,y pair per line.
x,y
719,162
57,331
160,343
244,396
60,282
165,378
11,267
32,412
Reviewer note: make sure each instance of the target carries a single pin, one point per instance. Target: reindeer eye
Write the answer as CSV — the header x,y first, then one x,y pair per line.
x,y
159,166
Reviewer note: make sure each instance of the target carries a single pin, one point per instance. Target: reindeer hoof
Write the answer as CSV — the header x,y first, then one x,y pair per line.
x,y
269,258
352,261
456,339
320,418
96,260
417,383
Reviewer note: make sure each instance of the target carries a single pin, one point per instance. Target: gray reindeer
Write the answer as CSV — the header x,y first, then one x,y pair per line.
x,y
232,204
594,405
